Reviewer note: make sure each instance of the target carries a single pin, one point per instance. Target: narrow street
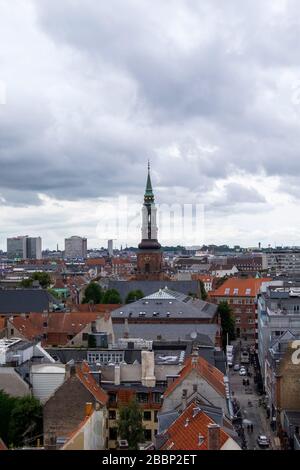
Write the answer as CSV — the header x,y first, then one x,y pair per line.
x,y
248,400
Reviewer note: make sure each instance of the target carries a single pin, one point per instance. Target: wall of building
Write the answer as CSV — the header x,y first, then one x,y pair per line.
x,y
204,391
91,435
65,410
288,389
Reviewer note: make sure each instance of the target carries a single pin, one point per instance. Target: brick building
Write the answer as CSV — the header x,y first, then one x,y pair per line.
x,y
241,295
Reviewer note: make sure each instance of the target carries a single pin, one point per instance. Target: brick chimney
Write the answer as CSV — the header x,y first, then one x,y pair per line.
x,y
89,409
214,437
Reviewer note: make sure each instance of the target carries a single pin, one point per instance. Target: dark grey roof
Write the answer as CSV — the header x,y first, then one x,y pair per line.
x,y
166,419
166,303
215,358
166,332
24,301
149,287
65,355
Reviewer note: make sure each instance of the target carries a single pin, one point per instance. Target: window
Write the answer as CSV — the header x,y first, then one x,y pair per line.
x,y
112,414
184,393
148,434
112,397
113,434
235,291
155,416
45,324
227,291
237,320
12,331
195,388
147,416
85,336
156,397
142,397
248,291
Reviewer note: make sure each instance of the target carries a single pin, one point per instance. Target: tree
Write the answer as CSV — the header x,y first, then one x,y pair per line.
x,y
130,425
20,419
93,293
27,283
111,296
43,278
7,404
134,295
220,281
227,322
203,291
26,421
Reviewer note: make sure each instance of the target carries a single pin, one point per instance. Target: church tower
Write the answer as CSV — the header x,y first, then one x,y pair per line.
x,y
149,257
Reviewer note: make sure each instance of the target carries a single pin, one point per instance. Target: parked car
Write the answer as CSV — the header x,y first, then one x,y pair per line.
x,y
263,441
236,367
243,372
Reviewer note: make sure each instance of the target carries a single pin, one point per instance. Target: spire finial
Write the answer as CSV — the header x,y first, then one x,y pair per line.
x,y
149,197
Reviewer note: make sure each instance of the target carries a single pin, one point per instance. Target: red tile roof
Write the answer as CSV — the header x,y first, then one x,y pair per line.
x,y
96,262
83,372
184,433
2,323
211,374
241,286
59,325
202,277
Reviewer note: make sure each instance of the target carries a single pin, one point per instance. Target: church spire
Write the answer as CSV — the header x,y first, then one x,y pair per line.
x,y
149,196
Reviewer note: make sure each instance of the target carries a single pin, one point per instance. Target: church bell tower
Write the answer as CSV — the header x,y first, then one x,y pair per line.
x,y
149,257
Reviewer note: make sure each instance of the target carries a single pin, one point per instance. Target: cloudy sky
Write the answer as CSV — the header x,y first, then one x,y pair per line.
x,y
208,90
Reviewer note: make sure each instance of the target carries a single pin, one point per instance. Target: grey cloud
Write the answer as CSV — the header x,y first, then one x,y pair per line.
x,y
130,79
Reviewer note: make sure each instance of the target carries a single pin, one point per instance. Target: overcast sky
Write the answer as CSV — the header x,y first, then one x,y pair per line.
x,y
208,90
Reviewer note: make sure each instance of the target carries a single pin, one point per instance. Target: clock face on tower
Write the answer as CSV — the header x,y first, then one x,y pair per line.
x,y
147,259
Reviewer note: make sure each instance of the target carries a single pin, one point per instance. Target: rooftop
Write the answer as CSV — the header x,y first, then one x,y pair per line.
x,y
190,431
210,373
166,303
238,287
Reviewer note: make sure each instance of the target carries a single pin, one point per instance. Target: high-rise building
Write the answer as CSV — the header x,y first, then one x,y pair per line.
x,y
17,247
34,247
110,248
75,248
150,256
24,247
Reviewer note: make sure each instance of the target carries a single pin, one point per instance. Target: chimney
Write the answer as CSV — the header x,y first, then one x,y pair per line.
x,y
126,328
214,438
88,409
148,377
70,369
117,375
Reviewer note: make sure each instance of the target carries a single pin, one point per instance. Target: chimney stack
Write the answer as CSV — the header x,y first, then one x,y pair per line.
x,y
88,409
126,328
117,375
214,437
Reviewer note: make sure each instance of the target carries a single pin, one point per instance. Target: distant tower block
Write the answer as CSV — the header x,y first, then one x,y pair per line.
x,y
110,248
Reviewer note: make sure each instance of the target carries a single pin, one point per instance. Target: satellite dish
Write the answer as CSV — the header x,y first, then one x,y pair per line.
x,y
194,335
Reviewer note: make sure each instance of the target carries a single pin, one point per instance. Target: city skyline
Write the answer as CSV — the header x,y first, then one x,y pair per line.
x,y
103,100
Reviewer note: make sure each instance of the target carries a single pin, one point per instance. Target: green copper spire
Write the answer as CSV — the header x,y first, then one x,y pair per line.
x,y
149,196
